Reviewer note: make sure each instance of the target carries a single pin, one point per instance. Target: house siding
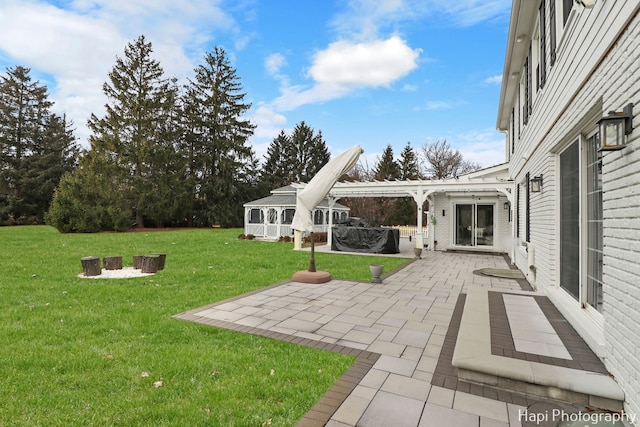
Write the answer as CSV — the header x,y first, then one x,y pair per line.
x,y
596,69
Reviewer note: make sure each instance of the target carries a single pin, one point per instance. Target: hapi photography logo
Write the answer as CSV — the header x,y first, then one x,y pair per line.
x,y
591,418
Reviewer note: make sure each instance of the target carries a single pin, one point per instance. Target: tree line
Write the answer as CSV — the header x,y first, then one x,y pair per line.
x,y
162,154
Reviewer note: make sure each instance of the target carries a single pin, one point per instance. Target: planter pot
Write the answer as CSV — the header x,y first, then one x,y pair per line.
x,y
417,252
376,272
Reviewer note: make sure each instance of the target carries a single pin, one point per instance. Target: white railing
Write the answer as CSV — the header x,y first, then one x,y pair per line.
x,y
409,230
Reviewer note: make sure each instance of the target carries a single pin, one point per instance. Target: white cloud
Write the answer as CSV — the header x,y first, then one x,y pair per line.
x,y
269,123
377,63
494,80
485,146
345,66
268,126
438,105
273,63
78,42
364,19
466,13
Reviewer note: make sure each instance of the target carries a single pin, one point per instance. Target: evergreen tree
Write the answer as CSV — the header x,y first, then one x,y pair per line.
x,y
309,152
133,134
408,164
387,167
89,199
216,139
405,207
36,148
295,158
275,170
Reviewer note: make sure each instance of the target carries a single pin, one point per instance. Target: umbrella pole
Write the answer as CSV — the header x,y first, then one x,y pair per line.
x,y
312,261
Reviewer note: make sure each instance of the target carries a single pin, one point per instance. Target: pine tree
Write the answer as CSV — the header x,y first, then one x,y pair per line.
x,y
36,148
405,207
309,152
275,170
133,132
408,163
387,167
216,139
295,158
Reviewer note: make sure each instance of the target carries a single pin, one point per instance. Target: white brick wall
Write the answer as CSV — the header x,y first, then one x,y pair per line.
x,y
597,70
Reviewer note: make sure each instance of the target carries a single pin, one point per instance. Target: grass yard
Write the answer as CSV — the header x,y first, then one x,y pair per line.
x,y
106,352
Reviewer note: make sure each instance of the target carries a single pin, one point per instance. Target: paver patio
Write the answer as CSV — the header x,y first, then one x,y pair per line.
x,y
399,330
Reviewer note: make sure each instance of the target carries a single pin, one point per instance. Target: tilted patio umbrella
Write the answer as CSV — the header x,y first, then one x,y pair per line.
x,y
317,189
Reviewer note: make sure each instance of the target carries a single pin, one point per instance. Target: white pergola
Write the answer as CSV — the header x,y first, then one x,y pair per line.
x,y
492,180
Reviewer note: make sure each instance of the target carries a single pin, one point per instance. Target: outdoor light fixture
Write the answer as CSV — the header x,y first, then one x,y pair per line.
x,y
536,184
506,205
614,128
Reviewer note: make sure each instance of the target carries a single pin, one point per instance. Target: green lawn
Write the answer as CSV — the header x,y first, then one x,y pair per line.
x,y
88,352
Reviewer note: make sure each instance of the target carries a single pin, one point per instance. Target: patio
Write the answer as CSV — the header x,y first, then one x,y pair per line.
x,y
404,333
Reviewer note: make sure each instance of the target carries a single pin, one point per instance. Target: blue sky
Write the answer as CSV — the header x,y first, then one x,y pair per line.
x,y
368,72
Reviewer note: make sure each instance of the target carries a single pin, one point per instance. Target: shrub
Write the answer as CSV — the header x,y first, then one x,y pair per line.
x,y
250,237
317,237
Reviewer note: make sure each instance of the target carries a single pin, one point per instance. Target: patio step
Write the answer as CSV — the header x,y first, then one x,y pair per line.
x,y
475,363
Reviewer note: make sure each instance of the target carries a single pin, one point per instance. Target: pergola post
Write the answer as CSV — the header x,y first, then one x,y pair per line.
x,y
418,197
331,202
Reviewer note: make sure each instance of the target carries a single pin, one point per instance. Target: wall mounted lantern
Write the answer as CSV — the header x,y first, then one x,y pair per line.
x,y
536,184
614,128
506,205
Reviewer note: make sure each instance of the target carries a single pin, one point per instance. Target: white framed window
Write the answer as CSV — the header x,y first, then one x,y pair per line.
x,y
580,221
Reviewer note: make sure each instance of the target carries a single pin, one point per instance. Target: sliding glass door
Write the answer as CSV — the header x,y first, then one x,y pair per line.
x,y
474,225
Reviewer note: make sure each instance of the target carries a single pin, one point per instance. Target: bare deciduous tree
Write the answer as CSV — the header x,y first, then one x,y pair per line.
x,y
443,162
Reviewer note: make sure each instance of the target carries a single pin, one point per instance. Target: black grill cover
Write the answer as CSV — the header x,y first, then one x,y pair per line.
x,y
369,240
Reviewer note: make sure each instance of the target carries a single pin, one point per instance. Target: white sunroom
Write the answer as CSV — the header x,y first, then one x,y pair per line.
x,y
271,216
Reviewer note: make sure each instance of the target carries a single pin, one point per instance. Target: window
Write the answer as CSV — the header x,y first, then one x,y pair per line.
x,y
543,44
517,212
581,221
527,229
594,223
256,216
552,31
567,5
287,216
527,83
513,130
318,217
570,220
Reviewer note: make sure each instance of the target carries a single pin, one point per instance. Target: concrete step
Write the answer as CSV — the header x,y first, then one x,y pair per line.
x,y
475,363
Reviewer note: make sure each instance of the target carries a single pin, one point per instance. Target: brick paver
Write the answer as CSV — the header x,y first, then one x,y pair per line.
x,y
402,332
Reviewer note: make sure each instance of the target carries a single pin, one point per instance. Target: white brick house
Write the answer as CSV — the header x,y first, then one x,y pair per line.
x,y
578,239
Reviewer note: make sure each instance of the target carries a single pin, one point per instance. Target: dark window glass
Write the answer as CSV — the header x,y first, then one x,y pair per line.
x,y
567,5
552,32
543,43
570,220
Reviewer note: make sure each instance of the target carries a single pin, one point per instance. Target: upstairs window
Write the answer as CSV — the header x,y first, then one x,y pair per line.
x,y
552,32
543,44
567,5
